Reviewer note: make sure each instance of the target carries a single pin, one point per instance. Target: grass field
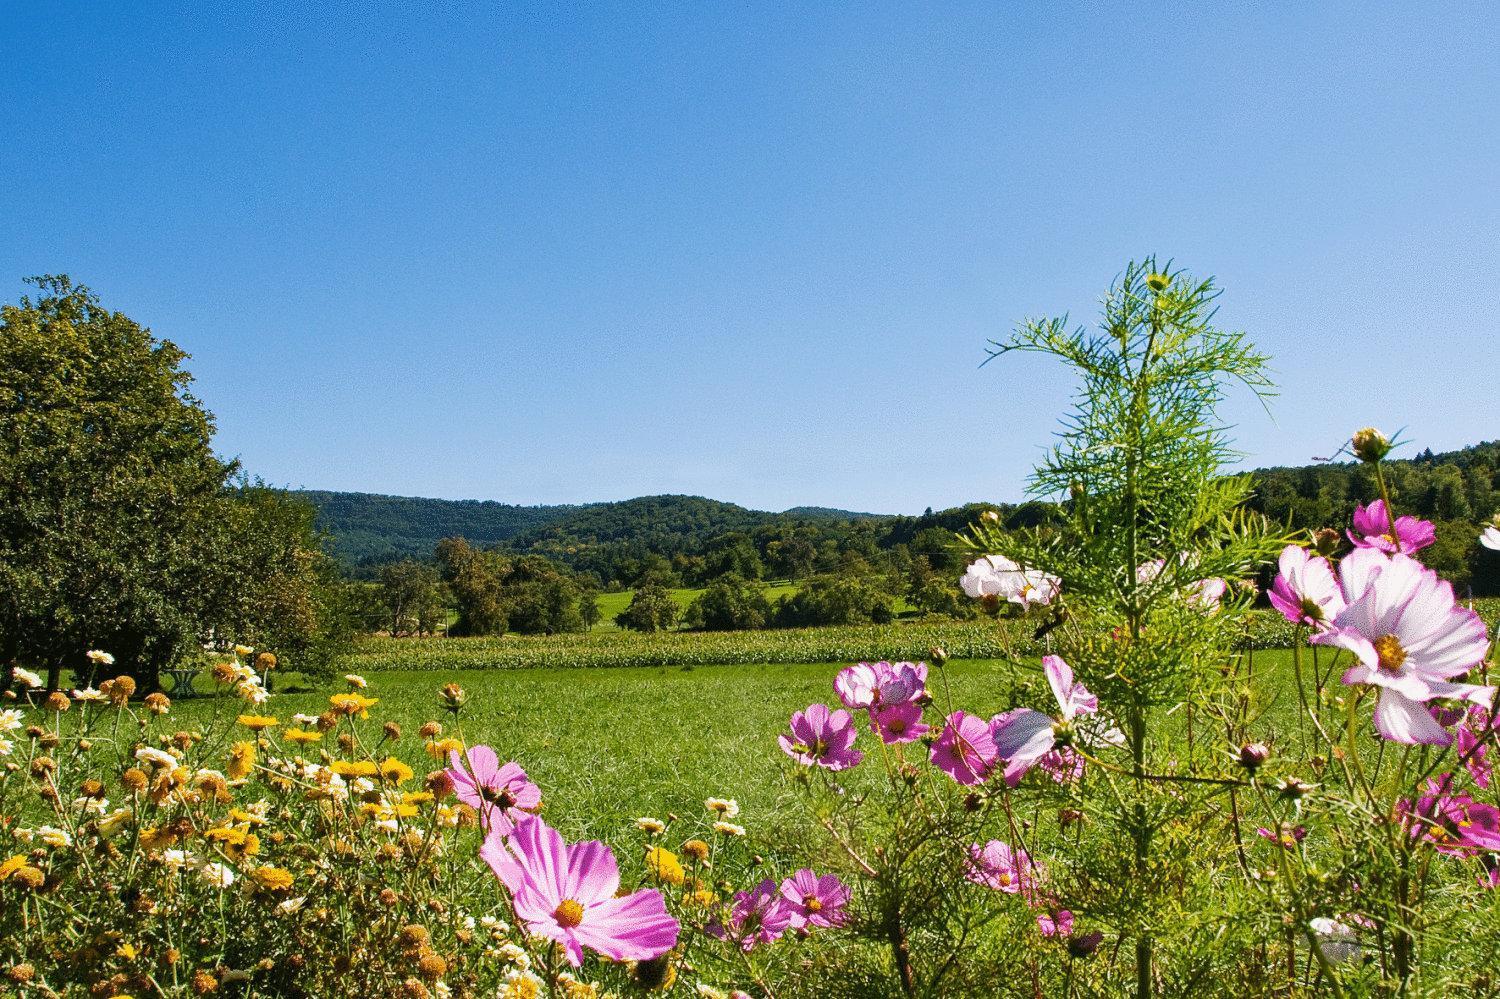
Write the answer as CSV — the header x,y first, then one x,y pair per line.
x,y
609,745
613,603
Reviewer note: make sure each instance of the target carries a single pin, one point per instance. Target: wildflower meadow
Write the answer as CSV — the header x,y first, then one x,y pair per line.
x,y
1113,792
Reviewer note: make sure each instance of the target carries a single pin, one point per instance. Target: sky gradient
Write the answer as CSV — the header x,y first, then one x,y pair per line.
x,y
752,253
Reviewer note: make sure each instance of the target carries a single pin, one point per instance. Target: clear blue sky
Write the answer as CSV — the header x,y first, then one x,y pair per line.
x,y
752,251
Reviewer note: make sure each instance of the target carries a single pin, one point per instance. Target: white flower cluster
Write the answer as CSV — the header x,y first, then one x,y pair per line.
x,y
995,576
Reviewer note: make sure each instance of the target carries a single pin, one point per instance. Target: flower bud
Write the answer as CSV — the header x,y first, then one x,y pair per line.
x,y
1158,282
1084,944
938,655
1326,541
1369,445
1253,756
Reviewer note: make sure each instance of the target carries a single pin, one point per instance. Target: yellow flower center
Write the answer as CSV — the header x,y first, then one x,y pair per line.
x,y
1389,653
568,914
1311,610
1004,878
819,748
812,903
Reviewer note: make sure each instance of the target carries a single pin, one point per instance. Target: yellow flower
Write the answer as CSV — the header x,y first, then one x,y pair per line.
x,y
126,951
241,760
257,723
439,749
246,817
12,865
243,650
301,735
394,770
354,768
416,797
353,704
272,878
664,866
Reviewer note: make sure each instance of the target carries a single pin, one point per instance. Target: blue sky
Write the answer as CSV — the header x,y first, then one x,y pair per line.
x,y
752,252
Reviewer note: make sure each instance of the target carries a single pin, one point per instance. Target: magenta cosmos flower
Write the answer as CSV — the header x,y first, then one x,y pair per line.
x,y
1305,590
815,901
1372,529
995,865
1024,737
966,749
873,685
822,737
1473,752
1454,824
567,894
758,916
895,723
1411,639
502,795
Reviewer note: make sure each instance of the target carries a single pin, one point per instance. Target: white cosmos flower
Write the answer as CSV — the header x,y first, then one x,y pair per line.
x,y
726,807
101,657
27,677
10,720
6,746
1491,538
88,694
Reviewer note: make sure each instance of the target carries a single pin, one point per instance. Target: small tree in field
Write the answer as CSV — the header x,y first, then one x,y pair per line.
x,y
651,609
730,603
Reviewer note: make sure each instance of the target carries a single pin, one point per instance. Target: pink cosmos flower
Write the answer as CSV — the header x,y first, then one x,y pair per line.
x,y
822,737
1025,737
1286,837
1410,638
502,795
1471,738
898,723
567,894
1062,765
1454,824
815,901
1059,924
1372,529
995,865
1305,590
758,916
966,750
871,685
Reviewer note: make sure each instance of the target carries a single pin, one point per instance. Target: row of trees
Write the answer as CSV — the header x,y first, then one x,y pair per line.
x,y
120,529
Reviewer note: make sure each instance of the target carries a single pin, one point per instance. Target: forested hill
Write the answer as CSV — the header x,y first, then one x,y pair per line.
x,y
369,529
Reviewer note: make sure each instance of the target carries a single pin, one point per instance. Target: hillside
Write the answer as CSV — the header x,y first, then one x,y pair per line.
x,y
369,529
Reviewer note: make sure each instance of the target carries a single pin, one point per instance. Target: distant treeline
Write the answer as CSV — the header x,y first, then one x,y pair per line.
x,y
658,542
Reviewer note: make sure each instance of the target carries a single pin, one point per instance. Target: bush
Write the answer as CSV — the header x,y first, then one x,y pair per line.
x,y
836,600
730,603
651,609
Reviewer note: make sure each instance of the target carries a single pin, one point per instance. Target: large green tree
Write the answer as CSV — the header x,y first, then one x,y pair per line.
x,y
120,528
